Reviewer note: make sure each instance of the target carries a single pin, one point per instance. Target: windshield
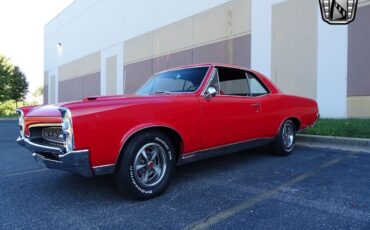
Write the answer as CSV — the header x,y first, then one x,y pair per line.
x,y
175,81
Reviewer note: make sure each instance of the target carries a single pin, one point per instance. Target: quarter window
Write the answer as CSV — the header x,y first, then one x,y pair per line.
x,y
256,87
214,82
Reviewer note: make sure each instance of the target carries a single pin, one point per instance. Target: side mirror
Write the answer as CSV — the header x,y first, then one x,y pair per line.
x,y
211,92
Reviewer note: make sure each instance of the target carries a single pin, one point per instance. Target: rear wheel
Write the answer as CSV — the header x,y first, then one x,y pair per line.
x,y
285,141
146,166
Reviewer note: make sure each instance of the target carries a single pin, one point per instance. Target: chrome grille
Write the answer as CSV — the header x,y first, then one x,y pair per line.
x,y
53,134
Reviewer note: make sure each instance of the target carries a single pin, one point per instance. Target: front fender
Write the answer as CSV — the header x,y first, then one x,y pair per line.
x,y
142,127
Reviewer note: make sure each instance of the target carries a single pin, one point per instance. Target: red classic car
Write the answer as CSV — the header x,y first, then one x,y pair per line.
x,y
177,116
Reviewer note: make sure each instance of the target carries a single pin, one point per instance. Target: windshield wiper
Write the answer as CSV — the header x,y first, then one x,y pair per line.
x,y
161,92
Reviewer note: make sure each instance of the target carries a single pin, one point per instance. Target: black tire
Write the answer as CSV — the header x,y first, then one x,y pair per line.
x,y
136,167
283,146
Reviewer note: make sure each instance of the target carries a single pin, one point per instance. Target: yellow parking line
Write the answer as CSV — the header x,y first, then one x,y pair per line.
x,y
217,218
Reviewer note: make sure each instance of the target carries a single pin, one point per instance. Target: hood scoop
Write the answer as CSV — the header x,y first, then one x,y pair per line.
x,y
104,98
90,98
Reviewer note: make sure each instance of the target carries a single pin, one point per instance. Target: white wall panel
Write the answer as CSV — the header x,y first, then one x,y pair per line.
x,y
261,35
89,26
73,11
96,28
332,62
138,17
199,6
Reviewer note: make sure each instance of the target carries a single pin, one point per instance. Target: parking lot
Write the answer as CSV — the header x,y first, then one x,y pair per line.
x,y
311,189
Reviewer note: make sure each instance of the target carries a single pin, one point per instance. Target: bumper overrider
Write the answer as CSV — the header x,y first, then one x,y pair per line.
x,y
62,158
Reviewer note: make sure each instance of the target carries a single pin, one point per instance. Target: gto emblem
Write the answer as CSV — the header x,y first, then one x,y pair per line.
x,y
53,134
338,12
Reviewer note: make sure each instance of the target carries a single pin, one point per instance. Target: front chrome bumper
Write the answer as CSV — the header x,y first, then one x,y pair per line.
x,y
56,158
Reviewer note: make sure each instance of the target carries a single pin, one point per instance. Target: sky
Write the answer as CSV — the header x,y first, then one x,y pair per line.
x,y
22,34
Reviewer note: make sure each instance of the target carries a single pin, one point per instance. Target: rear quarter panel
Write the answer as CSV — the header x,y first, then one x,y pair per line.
x,y
277,108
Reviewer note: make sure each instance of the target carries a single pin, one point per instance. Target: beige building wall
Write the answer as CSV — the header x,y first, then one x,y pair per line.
x,y
358,80
52,89
80,67
111,75
294,47
79,78
232,19
220,34
363,3
358,107
223,34
46,88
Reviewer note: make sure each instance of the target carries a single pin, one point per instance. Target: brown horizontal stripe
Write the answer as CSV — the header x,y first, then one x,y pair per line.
x,y
136,74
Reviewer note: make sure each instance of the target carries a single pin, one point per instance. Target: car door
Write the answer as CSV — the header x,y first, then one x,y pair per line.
x,y
269,117
231,115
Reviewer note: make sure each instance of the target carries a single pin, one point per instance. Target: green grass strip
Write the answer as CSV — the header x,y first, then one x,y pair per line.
x,y
341,128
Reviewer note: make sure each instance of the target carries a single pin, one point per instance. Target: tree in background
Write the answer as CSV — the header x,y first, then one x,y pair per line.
x,y
39,92
37,95
13,86
18,86
6,70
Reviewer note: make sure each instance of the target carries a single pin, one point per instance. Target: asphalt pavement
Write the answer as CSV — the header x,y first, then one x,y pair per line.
x,y
311,189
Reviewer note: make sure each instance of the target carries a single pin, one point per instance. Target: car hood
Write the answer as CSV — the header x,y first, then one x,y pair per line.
x,y
95,104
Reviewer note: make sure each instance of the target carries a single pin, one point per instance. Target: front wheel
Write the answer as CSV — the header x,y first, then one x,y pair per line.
x,y
146,166
285,141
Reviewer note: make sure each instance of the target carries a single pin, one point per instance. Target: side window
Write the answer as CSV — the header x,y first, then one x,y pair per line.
x,y
188,86
256,86
233,82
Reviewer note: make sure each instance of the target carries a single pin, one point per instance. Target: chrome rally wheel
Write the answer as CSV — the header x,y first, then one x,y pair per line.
x,y
288,135
146,165
285,140
150,164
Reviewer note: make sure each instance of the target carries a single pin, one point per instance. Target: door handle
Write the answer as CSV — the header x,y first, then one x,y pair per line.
x,y
257,106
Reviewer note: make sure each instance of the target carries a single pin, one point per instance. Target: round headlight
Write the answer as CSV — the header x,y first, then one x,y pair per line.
x,y
67,130
21,122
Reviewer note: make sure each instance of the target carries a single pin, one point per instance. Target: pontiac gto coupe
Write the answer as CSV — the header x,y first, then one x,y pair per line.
x,y
177,116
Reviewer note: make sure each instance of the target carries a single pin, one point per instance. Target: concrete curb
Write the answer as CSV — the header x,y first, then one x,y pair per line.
x,y
342,143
